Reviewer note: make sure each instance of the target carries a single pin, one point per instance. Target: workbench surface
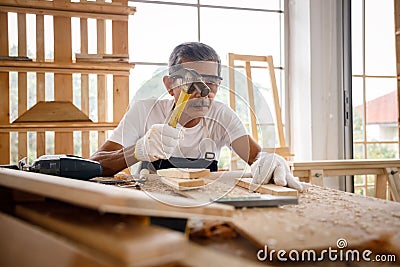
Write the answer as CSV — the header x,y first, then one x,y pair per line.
x,y
322,217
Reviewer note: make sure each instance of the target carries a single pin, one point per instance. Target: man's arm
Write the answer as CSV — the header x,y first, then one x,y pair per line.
x,y
247,148
114,158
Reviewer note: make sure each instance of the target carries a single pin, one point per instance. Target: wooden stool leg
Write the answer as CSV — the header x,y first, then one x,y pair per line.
x,y
394,183
381,185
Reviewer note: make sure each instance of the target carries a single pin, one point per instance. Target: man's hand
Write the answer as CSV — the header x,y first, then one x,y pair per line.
x,y
158,143
269,166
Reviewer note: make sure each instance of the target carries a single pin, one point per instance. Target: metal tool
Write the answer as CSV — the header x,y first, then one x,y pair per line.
x,y
69,166
191,82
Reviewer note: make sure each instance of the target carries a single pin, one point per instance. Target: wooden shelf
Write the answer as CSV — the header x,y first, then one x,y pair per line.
x,y
58,126
117,68
109,11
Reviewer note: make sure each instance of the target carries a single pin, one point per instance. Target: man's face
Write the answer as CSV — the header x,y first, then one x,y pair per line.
x,y
197,106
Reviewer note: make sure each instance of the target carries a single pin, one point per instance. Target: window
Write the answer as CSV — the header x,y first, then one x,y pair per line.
x,y
243,27
374,85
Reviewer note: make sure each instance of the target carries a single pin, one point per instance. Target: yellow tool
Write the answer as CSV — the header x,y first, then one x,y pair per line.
x,y
191,82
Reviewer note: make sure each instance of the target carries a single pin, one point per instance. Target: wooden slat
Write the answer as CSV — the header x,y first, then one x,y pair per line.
x,y
63,82
277,105
346,164
101,81
183,184
58,126
43,248
127,240
271,189
22,86
394,183
40,80
107,198
381,186
4,92
250,93
121,69
183,173
120,84
68,9
232,100
85,89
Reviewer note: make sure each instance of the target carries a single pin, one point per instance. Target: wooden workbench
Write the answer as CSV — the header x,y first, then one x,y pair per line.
x,y
322,217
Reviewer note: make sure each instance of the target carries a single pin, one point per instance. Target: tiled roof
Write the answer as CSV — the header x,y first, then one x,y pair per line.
x,y
381,110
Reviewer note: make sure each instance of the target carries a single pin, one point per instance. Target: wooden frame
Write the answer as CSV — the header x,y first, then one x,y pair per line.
x,y
282,149
386,171
63,67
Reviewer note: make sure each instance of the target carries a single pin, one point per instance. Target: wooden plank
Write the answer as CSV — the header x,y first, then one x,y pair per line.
x,y
42,248
183,184
381,186
250,93
127,239
232,99
271,189
346,164
40,80
60,8
277,105
121,69
316,177
22,85
111,199
53,111
120,84
63,141
101,82
57,126
4,92
249,58
85,89
183,173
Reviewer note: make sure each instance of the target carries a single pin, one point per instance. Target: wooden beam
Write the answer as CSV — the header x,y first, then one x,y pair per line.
x,y
121,69
57,126
63,82
111,11
85,89
133,243
252,107
63,253
101,82
40,80
111,199
4,92
22,86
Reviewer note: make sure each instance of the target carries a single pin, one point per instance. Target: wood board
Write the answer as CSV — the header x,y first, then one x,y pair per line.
x,y
23,244
183,173
106,198
322,217
53,111
183,184
271,189
125,239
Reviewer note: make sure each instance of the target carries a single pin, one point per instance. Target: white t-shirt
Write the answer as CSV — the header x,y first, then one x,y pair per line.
x,y
223,127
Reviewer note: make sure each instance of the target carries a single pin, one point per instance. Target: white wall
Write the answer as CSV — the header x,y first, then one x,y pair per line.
x,y
315,91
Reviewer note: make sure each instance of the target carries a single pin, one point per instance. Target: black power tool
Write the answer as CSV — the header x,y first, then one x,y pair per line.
x,y
69,166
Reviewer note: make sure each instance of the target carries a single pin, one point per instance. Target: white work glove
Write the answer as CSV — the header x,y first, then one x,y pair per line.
x,y
158,143
269,165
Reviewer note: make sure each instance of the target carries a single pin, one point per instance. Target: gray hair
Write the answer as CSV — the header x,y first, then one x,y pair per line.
x,y
193,51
